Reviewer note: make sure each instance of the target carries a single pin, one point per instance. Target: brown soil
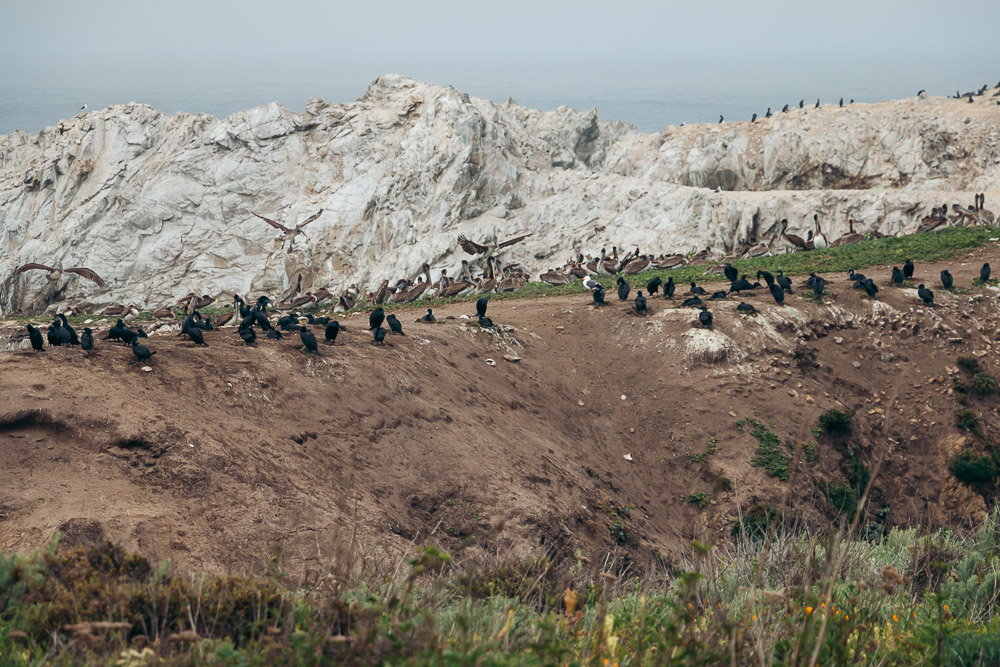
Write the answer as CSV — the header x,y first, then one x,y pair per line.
x,y
224,457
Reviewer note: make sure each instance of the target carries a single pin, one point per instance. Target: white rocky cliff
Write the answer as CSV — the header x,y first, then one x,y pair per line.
x,y
160,205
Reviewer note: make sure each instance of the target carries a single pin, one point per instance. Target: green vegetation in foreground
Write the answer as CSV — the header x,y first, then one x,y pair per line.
x,y
924,247
902,599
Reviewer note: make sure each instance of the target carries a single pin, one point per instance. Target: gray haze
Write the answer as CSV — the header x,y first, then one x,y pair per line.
x,y
649,63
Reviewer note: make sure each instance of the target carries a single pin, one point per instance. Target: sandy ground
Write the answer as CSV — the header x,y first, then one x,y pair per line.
x,y
224,457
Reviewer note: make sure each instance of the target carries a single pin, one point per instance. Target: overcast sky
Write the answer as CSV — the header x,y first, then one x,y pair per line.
x,y
116,33
649,63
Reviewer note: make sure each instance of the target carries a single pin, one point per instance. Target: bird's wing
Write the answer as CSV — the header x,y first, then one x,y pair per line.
x,y
276,225
87,273
30,266
516,239
471,247
309,219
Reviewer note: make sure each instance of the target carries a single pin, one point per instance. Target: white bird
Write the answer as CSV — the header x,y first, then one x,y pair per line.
x,y
590,283
83,108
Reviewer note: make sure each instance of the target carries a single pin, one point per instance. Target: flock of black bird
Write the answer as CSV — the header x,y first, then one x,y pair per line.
x,y
778,285
61,333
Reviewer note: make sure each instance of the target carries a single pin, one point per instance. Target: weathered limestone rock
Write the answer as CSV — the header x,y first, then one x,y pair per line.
x,y
161,205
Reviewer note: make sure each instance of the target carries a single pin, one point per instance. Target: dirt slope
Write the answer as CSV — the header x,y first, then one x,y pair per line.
x,y
223,457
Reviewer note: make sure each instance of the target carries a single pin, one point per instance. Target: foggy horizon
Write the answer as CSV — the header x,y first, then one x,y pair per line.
x,y
643,63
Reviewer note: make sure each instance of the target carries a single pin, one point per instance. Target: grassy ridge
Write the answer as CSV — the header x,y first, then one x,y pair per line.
x,y
899,600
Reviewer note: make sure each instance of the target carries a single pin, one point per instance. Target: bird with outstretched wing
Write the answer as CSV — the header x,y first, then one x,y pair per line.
x,y
55,274
473,248
285,230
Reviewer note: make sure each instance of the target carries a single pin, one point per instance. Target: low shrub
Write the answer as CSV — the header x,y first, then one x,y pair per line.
x,y
836,422
698,499
755,522
966,419
970,468
769,455
984,383
970,364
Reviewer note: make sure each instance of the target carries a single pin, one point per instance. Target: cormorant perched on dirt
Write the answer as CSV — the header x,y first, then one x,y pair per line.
x,y
768,114
817,104
623,289
705,318
429,317
376,318
332,329
871,289
802,104
485,322
481,304
140,351
721,294
87,341
691,302
640,303
669,288
730,271
777,293
58,335
289,322
115,332
395,325
274,334
37,342
908,269
819,284
753,118
946,279
259,313
196,334
140,333
925,294
653,286
190,322
897,277
768,278
695,289
854,276
598,295
721,118
741,285
378,336
247,334
73,340
319,321
309,340
784,109
841,102
784,281
746,308
984,273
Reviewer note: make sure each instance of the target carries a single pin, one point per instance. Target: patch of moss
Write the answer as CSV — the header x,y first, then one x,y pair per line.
x,y
769,455
698,499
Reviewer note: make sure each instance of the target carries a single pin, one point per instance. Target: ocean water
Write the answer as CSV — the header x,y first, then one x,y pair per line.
x,y
647,95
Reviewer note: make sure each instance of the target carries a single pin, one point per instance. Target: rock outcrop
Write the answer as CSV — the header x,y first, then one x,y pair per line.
x,y
161,205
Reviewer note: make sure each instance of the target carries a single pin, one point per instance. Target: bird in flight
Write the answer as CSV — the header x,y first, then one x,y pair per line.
x,y
56,274
473,248
286,232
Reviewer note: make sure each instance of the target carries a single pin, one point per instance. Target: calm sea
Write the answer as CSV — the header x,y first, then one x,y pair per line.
x,y
646,95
